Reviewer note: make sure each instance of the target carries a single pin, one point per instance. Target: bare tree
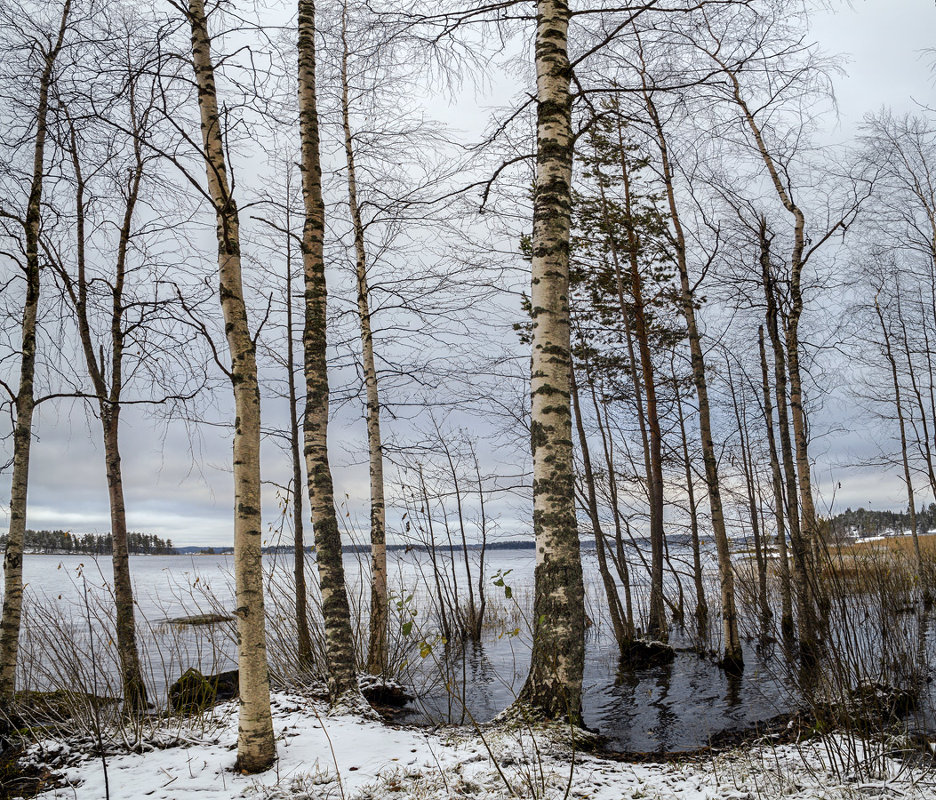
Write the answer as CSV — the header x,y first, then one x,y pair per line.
x,y
339,651
256,747
43,46
377,643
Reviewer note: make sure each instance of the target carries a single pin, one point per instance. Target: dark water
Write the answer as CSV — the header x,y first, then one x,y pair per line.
x,y
666,708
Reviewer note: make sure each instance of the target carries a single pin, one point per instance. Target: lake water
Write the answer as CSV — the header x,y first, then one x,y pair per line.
x,y
675,707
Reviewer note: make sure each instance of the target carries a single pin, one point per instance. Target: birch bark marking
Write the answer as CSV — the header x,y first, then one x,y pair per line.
x,y
339,646
25,401
377,644
256,748
554,684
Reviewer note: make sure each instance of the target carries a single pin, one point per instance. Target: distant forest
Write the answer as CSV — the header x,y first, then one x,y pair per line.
x,y
865,522
860,522
92,544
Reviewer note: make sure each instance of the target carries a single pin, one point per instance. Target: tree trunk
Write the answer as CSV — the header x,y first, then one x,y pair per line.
x,y
339,643
617,555
908,479
256,748
131,673
25,401
809,644
733,659
108,398
806,617
615,611
377,642
554,684
747,464
657,627
786,596
646,413
701,610
303,637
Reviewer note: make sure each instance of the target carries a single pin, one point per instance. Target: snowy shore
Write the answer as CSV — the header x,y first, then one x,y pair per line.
x,y
346,757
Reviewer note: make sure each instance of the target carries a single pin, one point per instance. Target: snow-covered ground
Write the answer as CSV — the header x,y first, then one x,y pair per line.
x,y
346,757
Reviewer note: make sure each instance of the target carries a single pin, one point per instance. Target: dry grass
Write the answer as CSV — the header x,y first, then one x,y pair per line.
x,y
895,544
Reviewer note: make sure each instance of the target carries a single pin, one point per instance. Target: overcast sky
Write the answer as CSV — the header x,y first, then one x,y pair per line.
x,y
181,489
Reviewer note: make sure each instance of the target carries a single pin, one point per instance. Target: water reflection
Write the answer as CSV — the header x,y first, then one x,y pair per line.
x,y
666,708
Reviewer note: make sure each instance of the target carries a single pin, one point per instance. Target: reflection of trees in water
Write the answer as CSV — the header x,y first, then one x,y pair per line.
x,y
733,690
667,718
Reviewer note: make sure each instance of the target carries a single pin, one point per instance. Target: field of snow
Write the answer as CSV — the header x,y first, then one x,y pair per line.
x,y
344,757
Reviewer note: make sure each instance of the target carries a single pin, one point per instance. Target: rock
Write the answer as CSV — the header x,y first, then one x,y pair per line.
x,y
194,692
643,653
200,619
381,692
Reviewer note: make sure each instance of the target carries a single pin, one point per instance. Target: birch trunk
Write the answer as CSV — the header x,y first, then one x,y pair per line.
x,y
256,748
377,642
806,618
339,645
303,637
25,402
553,687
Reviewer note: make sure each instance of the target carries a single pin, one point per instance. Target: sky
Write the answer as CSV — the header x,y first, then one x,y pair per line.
x,y
179,487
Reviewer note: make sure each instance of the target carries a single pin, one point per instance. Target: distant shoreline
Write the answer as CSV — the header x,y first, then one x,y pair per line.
x,y
194,550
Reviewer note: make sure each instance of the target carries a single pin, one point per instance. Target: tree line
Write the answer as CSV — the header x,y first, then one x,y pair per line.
x,y
66,542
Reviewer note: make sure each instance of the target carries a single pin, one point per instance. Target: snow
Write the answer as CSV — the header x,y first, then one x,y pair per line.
x,y
346,757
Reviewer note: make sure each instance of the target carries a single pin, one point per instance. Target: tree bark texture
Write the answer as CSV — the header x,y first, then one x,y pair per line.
x,y
339,644
554,684
256,748
377,642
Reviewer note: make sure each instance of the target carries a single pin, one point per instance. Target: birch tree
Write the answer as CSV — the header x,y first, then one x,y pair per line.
x,y
43,48
256,747
377,642
339,644
554,684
